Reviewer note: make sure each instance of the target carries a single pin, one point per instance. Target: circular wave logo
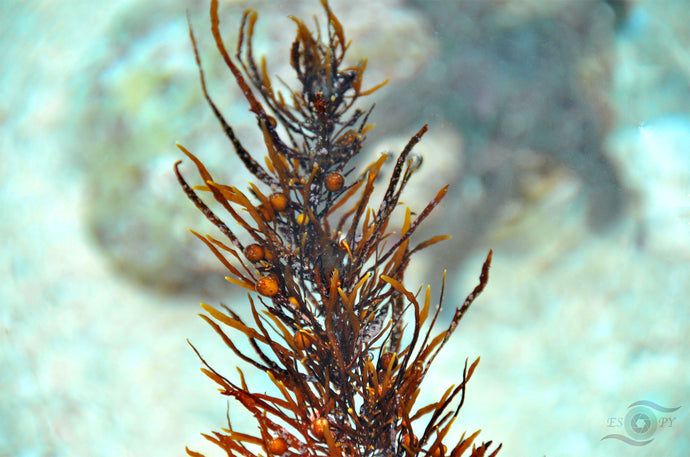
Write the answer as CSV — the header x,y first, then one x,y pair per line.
x,y
640,423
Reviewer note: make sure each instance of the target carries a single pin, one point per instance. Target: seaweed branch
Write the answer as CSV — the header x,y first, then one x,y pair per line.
x,y
333,327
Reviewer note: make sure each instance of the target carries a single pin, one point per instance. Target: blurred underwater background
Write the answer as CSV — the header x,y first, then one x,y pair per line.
x,y
563,127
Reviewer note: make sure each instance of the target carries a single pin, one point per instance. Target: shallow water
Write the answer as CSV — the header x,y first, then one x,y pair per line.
x,y
580,320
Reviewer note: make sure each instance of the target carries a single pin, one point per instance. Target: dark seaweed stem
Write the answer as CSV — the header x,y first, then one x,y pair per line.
x,y
329,326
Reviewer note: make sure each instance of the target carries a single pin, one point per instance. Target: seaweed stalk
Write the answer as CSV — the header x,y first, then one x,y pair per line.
x,y
343,341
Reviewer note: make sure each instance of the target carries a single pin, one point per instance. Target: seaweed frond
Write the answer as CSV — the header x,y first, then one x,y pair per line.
x,y
343,341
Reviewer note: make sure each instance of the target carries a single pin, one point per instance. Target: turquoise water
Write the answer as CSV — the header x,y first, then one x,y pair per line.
x,y
564,136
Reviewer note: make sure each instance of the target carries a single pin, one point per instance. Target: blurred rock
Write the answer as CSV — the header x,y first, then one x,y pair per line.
x,y
526,83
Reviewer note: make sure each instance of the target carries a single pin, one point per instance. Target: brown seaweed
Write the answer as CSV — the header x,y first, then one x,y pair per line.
x,y
343,341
